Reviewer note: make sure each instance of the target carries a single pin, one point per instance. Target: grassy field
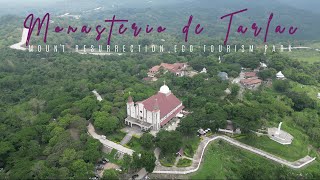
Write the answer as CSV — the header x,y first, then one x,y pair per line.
x,y
224,161
184,163
116,136
135,144
305,55
297,150
312,91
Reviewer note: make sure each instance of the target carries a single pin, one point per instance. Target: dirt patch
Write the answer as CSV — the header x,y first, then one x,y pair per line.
x,y
74,133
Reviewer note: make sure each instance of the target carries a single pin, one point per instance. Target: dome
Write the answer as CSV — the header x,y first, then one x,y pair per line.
x,y
280,75
164,89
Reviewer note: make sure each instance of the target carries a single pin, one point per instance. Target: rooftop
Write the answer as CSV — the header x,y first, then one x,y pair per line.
x,y
250,81
250,74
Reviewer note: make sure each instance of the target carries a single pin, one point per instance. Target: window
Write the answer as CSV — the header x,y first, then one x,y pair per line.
x,y
140,111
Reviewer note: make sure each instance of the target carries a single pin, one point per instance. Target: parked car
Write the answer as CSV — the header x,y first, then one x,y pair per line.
x,y
135,176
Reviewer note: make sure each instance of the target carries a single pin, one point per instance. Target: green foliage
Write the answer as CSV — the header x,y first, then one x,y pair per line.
x,y
222,161
146,140
45,105
105,122
268,73
110,174
81,170
169,141
184,162
93,150
144,159
301,100
148,160
281,85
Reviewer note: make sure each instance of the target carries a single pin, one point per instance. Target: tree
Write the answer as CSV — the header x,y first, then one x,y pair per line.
x,y
145,159
281,85
68,156
127,162
146,140
86,107
81,169
268,73
5,147
301,100
92,151
110,174
169,141
105,122
234,90
148,160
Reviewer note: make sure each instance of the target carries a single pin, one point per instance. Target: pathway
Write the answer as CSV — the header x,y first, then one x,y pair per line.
x,y
107,142
126,139
201,150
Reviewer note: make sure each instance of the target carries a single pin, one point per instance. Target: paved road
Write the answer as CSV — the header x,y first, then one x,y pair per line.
x,y
108,143
126,139
201,149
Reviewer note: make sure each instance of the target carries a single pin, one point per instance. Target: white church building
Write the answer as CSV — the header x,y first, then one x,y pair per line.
x,y
154,112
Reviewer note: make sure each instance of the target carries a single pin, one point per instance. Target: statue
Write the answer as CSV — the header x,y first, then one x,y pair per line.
x,y
279,129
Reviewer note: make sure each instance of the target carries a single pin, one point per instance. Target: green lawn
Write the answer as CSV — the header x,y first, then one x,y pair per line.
x,y
305,55
297,150
184,163
224,161
190,145
312,91
116,136
135,144
168,160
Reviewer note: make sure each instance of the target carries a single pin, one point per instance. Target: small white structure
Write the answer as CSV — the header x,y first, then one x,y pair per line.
x,y
204,70
227,91
263,65
279,135
318,96
22,44
99,98
279,75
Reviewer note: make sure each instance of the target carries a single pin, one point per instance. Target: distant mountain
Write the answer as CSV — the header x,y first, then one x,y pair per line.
x,y
309,5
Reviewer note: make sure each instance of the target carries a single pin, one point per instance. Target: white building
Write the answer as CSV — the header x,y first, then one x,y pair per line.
x,y
154,112
204,70
279,75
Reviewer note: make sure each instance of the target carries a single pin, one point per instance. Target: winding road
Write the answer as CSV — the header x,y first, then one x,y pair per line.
x,y
107,142
198,157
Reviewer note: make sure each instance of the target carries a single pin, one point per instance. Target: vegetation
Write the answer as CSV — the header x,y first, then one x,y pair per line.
x,y
110,174
46,104
223,161
184,162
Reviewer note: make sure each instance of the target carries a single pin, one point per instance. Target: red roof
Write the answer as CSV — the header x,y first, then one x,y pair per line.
x,y
165,121
154,69
166,103
250,74
250,81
